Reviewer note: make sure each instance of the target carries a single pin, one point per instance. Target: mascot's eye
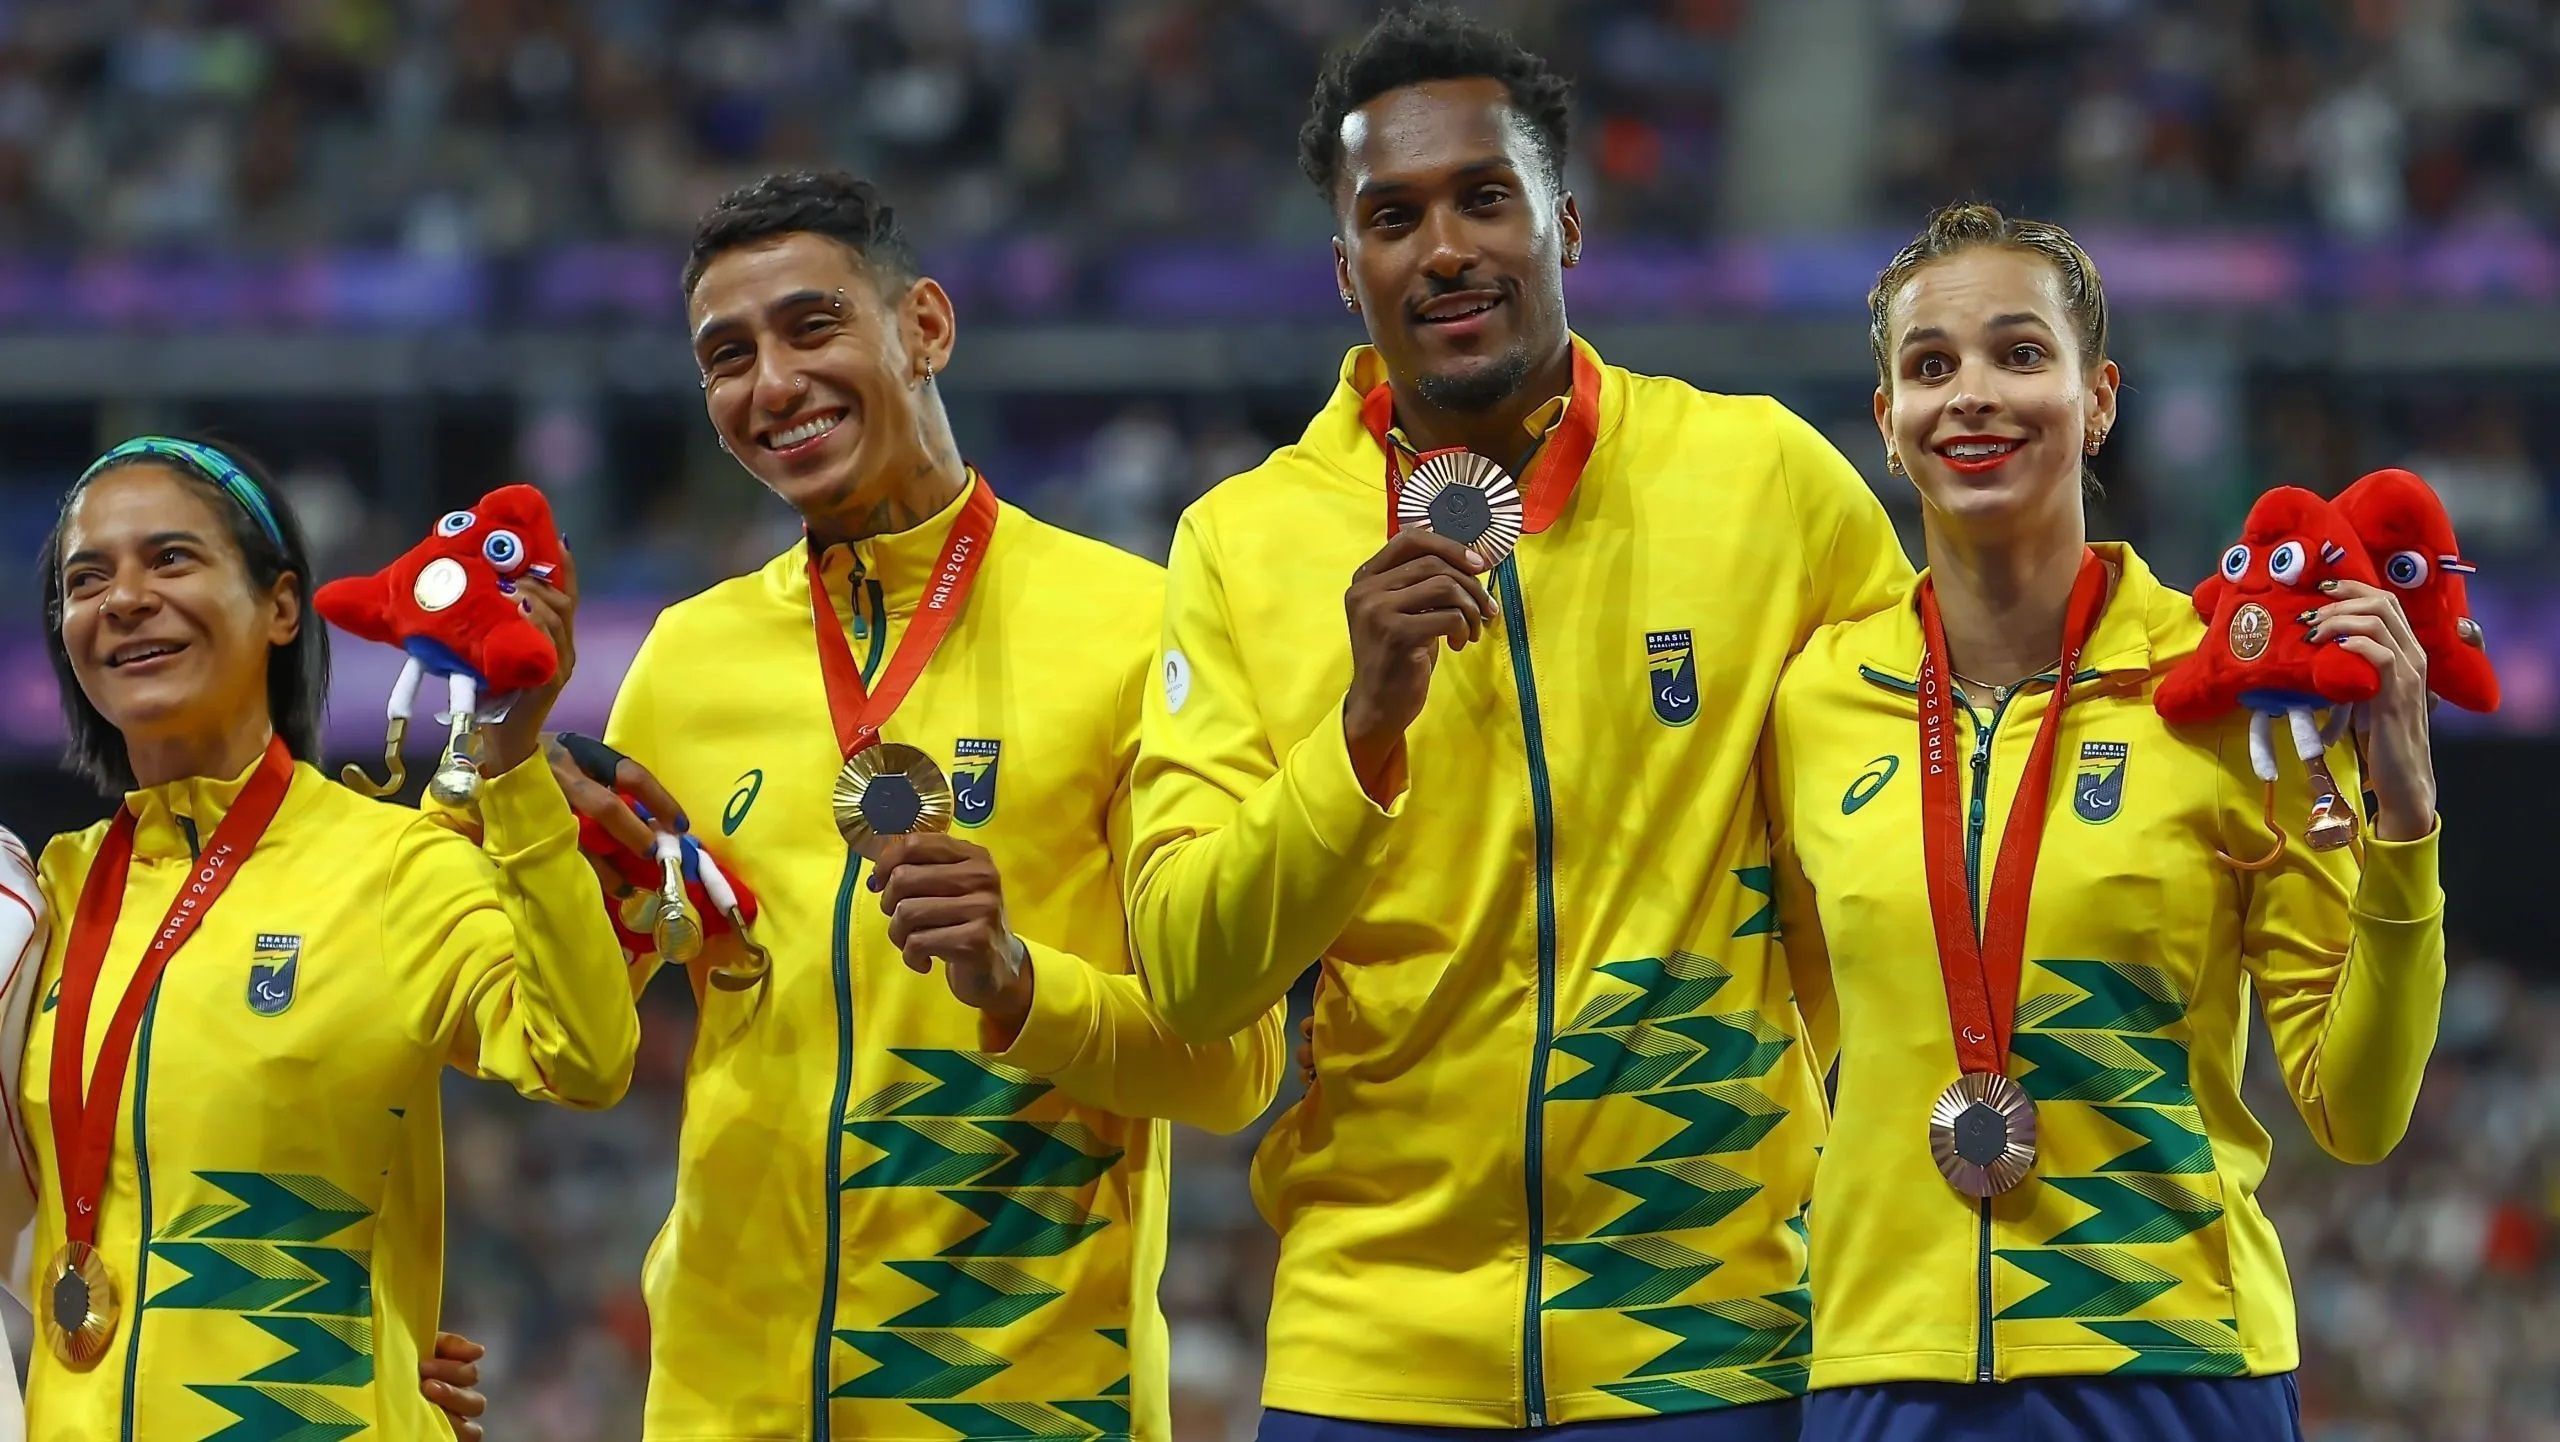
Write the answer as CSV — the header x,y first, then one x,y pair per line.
x,y
503,550
2285,563
2406,570
455,523
2235,563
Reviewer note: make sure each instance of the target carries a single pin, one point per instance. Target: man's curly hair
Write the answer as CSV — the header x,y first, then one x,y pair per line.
x,y
1423,43
822,202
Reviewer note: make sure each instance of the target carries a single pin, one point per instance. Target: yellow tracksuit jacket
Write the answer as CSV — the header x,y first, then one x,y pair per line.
x,y
277,1193
1562,1128
881,1229
2137,1244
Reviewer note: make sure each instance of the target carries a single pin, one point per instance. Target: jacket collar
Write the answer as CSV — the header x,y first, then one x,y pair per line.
x,y
1337,437
174,819
900,563
2140,617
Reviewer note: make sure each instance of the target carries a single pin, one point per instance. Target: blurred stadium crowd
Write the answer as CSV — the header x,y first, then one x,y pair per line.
x,y
497,124
2431,1286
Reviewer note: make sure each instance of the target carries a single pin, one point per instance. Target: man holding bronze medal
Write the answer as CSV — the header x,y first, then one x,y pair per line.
x,y
897,1216
1550,1173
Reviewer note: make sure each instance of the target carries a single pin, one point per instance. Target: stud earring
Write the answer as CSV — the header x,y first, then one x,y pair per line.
x,y
1350,302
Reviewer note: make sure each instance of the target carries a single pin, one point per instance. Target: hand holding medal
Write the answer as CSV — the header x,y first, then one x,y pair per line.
x,y
1461,495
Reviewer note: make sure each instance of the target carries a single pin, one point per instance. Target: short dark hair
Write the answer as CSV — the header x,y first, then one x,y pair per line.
x,y
822,202
297,671
1414,46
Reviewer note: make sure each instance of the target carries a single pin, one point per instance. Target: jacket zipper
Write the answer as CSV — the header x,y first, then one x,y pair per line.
x,y
821,1427
1982,737
142,1181
1515,625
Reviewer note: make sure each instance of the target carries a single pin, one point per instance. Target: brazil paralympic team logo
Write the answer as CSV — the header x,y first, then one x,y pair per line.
x,y
1671,673
973,780
2097,792
275,964
1869,782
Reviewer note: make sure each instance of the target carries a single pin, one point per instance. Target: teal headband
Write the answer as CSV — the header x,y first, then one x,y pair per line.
x,y
202,461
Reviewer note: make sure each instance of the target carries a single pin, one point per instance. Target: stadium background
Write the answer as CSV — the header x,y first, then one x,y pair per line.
x,y
411,251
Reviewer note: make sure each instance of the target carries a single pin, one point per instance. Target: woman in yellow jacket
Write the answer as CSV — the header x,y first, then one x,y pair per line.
x,y
2006,913
254,980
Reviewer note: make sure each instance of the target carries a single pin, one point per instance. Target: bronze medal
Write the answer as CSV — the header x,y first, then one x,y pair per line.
x,y
1463,496
890,790
2333,821
79,1306
2251,629
1982,1133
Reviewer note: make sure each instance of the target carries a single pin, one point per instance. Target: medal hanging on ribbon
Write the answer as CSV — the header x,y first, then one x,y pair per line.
x,y
887,789
1472,500
77,1300
1982,1128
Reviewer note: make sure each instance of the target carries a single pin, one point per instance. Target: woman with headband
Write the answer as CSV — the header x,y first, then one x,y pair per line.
x,y
238,1150
2036,1216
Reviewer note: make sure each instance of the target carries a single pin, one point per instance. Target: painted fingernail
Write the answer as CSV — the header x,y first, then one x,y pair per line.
x,y
2328,588
2306,617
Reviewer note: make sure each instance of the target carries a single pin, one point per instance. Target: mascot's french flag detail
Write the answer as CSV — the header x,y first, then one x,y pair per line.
x,y
2403,525
450,603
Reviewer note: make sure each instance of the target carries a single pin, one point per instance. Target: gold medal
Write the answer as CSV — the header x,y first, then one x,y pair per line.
x,y
890,790
1463,496
79,1306
1982,1132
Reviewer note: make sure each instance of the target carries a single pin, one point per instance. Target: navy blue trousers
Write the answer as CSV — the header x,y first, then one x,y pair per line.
x,y
1763,1422
2061,1409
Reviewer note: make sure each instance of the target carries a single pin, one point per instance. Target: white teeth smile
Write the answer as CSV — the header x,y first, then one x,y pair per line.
x,y
126,656
805,431
1977,450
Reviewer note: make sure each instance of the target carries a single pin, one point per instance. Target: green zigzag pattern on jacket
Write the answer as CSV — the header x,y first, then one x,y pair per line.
x,y
1655,1043
1727,1354
956,1130
260,1255
2107,1039
278,1414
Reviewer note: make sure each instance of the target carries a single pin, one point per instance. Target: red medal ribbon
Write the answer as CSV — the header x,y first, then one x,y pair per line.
x,y
1552,476
859,713
1981,968
84,1124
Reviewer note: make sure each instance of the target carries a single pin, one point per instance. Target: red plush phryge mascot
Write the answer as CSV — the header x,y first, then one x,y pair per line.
x,y
2254,654
450,603
2405,530
676,897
